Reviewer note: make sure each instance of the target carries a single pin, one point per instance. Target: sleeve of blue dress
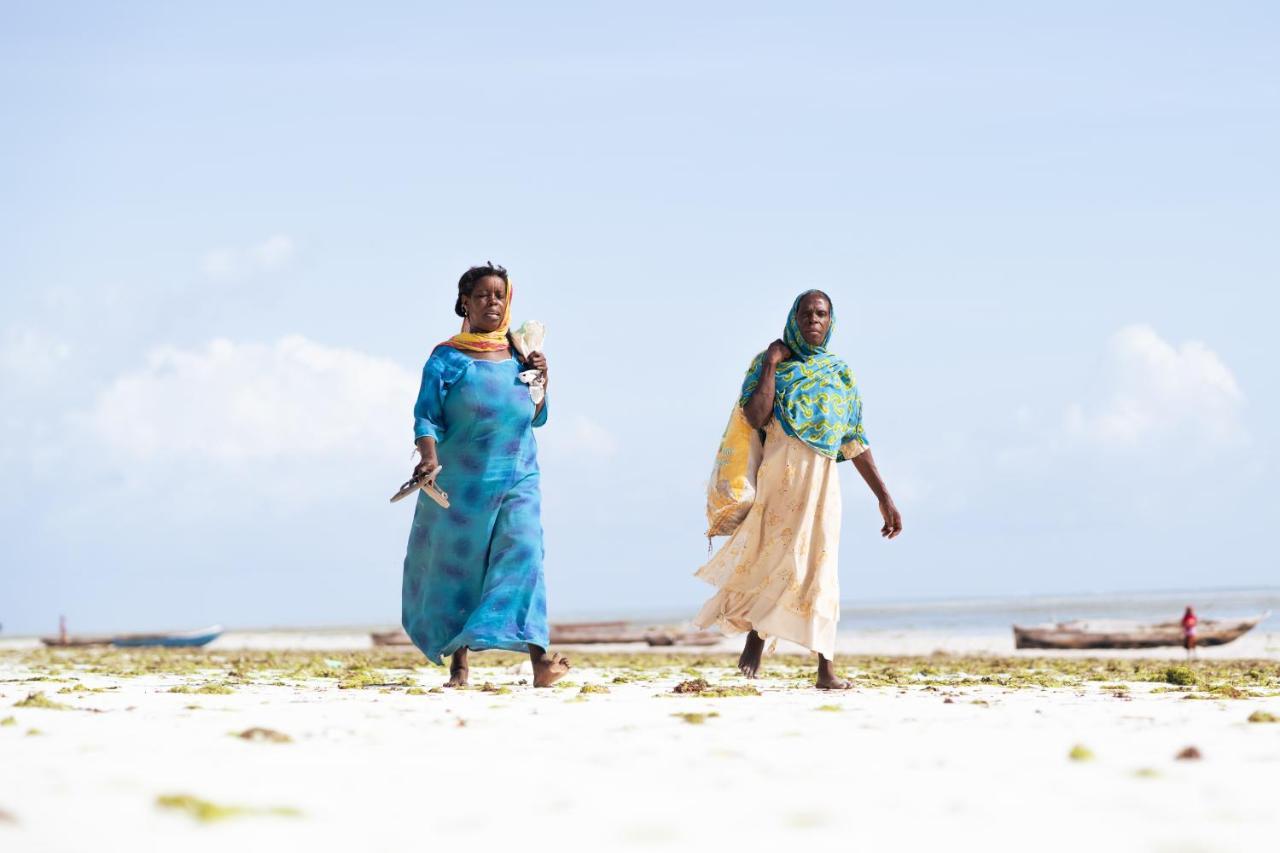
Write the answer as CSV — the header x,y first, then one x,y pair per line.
x,y
428,412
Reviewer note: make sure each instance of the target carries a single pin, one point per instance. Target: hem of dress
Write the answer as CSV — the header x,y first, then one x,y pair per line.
x,y
488,644
731,625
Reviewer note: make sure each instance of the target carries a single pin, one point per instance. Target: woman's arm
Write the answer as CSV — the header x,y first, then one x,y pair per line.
x,y
427,450
428,414
866,465
759,406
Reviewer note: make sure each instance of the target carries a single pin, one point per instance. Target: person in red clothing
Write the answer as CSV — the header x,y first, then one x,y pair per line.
x,y
1189,631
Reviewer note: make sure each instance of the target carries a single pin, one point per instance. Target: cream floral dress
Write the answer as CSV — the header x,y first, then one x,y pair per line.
x,y
778,571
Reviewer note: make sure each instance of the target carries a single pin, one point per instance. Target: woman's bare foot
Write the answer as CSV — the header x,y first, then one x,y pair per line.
x,y
459,672
827,678
548,667
752,651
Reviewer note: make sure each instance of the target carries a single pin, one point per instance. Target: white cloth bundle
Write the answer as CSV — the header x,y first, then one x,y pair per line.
x,y
528,338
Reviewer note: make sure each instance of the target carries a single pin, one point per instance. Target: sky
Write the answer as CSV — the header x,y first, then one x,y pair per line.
x,y
230,235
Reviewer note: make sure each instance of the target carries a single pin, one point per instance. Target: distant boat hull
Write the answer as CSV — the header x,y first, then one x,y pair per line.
x,y
168,639
591,633
1116,635
74,642
390,638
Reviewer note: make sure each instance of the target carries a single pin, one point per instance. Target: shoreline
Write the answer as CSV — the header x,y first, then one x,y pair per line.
x,y
1255,645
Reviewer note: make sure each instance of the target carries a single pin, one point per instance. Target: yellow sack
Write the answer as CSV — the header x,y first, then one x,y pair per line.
x,y
732,489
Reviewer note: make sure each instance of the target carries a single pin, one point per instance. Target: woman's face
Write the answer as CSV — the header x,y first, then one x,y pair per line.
x,y
486,304
814,316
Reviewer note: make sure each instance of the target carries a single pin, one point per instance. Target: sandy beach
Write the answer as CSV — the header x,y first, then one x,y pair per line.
x,y
361,750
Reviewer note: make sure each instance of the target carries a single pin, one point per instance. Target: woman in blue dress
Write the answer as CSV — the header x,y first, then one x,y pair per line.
x,y
473,572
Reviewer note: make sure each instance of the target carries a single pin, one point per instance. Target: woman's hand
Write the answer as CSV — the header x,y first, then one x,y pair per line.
x,y
892,518
777,352
538,361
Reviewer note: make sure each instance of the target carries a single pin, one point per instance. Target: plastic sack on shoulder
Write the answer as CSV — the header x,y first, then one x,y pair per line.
x,y
732,489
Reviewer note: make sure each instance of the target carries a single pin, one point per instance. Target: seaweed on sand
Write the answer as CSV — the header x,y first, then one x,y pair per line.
x,y
39,700
212,688
263,735
696,718
699,687
1259,677
205,811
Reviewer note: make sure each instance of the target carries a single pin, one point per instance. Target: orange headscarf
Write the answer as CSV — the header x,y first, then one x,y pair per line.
x,y
494,341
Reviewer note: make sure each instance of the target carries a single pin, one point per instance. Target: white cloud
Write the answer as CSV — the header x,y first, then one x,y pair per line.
x,y
31,355
239,402
233,264
1159,391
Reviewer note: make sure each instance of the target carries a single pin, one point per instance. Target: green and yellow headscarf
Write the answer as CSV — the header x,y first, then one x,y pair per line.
x,y
817,398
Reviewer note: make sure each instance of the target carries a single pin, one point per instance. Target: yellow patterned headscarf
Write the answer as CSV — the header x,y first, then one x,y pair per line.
x,y
494,341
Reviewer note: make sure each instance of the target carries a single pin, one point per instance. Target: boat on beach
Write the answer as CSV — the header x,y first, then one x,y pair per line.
x,y
77,641
163,639
169,639
1128,635
592,633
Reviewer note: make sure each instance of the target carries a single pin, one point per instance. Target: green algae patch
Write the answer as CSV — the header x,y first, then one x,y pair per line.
x,y
9,721
359,676
696,718
1147,773
499,690
700,687
81,688
205,811
1263,717
593,688
415,691
39,700
1220,678
212,688
1080,752
829,708
1183,676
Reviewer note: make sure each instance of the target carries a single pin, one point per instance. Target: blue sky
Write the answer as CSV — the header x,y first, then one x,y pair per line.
x,y
229,236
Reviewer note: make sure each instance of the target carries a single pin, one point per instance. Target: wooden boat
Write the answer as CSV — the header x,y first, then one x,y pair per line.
x,y
73,641
583,633
1128,635
391,638
169,639
590,633
683,638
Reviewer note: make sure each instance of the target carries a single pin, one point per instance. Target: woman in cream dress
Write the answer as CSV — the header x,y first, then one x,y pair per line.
x,y
777,574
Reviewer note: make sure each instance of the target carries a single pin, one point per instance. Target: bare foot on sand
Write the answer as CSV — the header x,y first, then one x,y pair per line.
x,y
827,678
459,672
749,663
548,667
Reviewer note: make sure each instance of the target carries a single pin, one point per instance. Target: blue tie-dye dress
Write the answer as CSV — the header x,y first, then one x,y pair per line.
x,y
473,572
